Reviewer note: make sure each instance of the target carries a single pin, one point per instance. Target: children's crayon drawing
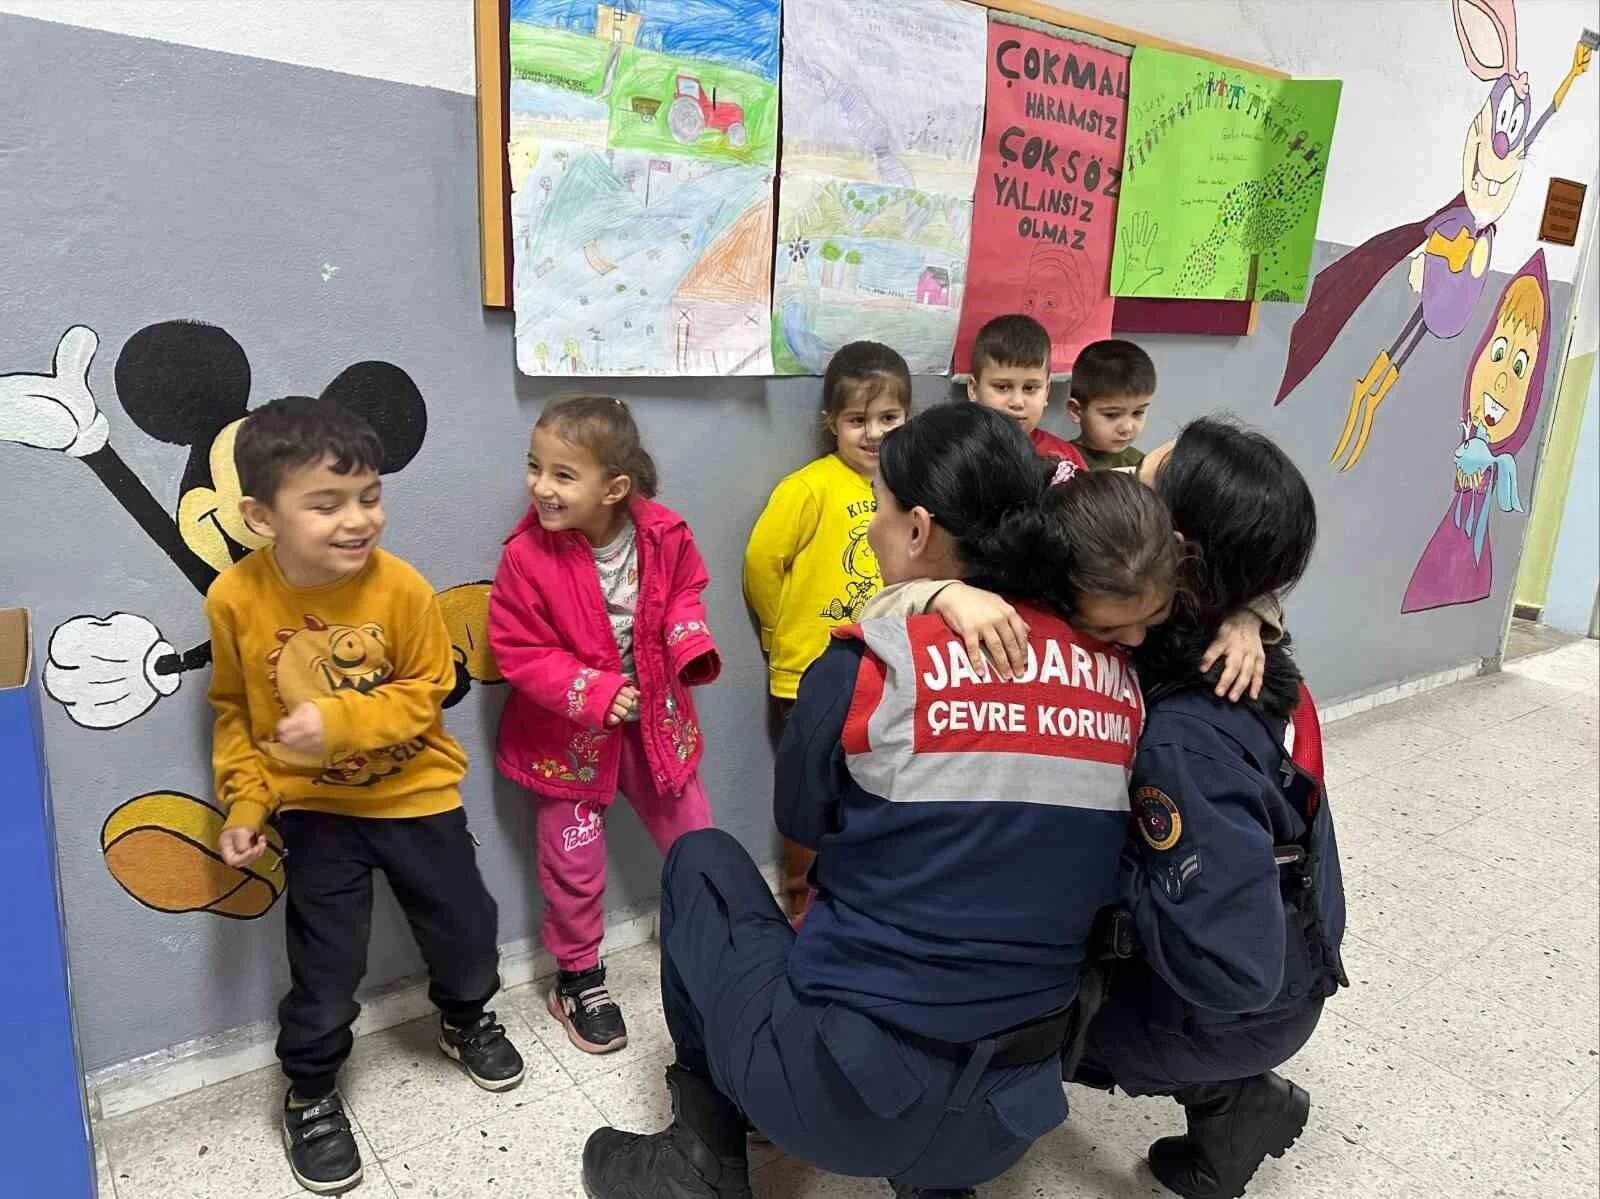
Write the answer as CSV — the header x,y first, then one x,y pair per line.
x,y
1499,411
1222,180
883,114
642,142
1449,249
1048,181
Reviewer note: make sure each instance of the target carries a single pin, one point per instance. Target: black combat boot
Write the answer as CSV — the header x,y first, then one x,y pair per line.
x,y
1233,1128
901,1191
700,1155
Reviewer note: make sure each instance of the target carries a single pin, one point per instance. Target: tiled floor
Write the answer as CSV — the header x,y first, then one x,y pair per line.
x,y
1527,637
1462,1061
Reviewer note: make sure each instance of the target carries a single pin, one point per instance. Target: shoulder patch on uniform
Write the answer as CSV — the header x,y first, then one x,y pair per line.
x,y
1157,818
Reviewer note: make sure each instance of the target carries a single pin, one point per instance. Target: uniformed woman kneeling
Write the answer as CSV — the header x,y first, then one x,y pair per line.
x,y
968,830
1233,876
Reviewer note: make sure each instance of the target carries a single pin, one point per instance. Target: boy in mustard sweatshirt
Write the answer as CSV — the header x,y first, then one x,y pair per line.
x,y
330,661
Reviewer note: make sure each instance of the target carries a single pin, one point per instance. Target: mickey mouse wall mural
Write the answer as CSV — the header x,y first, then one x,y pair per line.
x,y
187,383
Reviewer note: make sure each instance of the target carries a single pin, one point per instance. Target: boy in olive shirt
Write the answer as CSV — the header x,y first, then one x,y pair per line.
x,y
1113,383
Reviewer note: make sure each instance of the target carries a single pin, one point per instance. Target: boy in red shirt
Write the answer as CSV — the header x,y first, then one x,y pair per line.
x,y
1011,374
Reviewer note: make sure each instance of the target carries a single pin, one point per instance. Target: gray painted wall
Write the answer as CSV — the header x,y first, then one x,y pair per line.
x,y
142,182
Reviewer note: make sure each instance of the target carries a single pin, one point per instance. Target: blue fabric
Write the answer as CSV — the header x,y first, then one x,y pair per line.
x,y
1225,959
955,920
825,1082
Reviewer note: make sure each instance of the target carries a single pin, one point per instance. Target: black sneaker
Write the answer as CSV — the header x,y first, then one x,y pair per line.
x,y
901,1191
322,1151
484,1051
585,1008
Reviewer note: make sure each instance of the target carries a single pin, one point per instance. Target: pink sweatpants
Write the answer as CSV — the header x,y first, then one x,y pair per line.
x,y
572,850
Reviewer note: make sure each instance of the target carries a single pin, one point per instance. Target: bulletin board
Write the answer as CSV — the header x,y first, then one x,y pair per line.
x,y
1132,316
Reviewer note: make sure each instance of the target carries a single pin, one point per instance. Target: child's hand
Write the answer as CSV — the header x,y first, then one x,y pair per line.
x,y
623,706
990,627
301,730
241,846
1238,644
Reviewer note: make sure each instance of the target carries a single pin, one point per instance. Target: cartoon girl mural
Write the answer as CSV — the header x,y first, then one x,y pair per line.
x,y
1450,267
1499,412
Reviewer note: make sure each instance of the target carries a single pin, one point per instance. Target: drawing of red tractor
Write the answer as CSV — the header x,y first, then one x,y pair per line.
x,y
691,113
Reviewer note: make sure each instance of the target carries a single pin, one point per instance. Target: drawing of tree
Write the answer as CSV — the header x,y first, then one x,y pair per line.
x,y
1254,216
830,255
542,353
852,269
569,350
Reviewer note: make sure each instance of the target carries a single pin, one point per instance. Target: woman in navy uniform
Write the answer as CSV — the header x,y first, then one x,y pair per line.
x,y
1231,875
968,830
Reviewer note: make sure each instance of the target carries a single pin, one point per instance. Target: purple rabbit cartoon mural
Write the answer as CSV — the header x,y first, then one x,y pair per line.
x,y
1450,250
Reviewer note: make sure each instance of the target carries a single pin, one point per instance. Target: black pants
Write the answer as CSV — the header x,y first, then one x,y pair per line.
x,y
431,870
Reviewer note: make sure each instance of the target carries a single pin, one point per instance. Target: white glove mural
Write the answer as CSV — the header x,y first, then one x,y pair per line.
x,y
103,671
56,411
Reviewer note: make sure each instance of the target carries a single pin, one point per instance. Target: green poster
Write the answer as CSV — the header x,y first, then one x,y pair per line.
x,y
1221,180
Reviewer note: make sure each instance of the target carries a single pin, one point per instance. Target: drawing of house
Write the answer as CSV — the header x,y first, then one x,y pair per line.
x,y
720,311
614,22
933,287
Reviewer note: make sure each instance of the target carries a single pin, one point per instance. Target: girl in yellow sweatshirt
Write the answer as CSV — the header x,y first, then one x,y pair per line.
x,y
808,566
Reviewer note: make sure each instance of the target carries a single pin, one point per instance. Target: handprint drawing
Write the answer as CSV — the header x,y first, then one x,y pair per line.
x,y
1143,233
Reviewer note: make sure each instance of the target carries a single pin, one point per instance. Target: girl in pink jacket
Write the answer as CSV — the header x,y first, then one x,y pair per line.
x,y
597,623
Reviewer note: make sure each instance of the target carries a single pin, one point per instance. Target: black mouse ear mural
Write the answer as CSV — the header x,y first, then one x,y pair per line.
x,y
384,396
182,381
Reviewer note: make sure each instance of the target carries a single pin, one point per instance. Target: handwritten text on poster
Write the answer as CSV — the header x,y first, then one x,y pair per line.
x,y
1048,178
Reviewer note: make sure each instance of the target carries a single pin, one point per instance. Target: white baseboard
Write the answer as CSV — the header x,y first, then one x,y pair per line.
x,y
1405,689
131,1085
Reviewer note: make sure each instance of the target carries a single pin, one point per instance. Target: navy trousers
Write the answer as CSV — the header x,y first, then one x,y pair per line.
x,y
1138,1043
824,1082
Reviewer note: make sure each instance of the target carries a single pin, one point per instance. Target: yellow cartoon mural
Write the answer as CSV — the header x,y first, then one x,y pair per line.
x,y
162,849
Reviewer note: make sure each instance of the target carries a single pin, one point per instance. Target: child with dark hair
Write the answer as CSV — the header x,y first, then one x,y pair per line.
x,y
1113,382
1011,374
597,622
808,567
330,664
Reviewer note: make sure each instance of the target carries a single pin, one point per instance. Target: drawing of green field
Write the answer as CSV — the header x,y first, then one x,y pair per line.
x,y
573,61
657,103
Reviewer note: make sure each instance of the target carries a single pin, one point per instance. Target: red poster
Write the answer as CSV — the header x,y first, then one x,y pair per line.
x,y
1048,177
